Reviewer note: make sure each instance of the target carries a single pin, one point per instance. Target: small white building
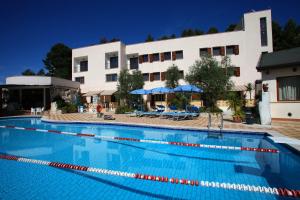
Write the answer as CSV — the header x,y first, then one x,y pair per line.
x,y
281,75
97,67
24,92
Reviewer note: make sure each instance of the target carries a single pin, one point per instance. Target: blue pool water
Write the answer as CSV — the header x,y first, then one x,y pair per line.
x,y
28,181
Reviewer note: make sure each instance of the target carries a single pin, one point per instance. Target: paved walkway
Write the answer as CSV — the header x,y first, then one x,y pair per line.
x,y
291,129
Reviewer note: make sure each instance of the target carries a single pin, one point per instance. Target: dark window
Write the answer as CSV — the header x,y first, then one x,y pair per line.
x,y
217,51
288,88
179,54
83,66
146,76
158,97
156,76
80,79
263,31
203,52
155,56
181,74
111,77
229,50
167,55
134,63
145,58
113,62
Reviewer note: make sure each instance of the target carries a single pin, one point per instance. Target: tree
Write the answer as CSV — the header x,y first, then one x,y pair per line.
x,y
58,61
290,35
28,72
231,27
149,38
209,74
41,72
126,83
114,40
212,30
172,76
249,89
277,36
103,40
198,32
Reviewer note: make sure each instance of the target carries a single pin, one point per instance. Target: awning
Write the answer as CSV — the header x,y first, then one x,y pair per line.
x,y
239,88
107,92
92,93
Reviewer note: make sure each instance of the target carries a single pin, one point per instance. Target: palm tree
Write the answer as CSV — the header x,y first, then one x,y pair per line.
x,y
249,89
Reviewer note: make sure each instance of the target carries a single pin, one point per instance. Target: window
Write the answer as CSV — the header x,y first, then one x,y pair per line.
x,y
80,79
83,66
288,88
134,63
167,55
145,58
181,74
158,97
155,57
113,62
204,52
146,76
179,54
111,77
263,31
230,50
217,51
156,76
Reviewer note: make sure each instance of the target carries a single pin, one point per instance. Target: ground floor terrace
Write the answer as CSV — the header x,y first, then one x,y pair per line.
x,y
290,129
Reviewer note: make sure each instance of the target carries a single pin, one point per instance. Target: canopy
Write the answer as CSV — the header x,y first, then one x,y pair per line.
x,y
107,92
188,88
140,91
92,93
161,90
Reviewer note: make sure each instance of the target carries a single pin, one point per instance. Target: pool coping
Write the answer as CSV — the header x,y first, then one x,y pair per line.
x,y
268,133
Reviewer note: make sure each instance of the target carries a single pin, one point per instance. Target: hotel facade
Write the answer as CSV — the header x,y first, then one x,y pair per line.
x,y
97,67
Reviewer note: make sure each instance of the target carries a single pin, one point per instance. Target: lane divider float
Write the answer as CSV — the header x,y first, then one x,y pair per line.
x,y
209,146
163,179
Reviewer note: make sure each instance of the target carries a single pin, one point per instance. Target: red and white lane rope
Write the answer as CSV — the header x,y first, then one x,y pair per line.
x,y
209,146
163,179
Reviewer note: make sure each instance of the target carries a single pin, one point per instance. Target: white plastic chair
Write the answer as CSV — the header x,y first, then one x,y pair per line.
x,y
33,111
38,110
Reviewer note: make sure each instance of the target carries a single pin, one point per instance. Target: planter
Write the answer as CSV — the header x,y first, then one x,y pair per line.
x,y
265,87
237,119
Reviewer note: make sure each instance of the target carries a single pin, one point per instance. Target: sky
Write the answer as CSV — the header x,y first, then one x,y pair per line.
x,y
30,27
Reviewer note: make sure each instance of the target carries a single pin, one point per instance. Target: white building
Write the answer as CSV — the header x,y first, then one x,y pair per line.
x,y
281,75
97,67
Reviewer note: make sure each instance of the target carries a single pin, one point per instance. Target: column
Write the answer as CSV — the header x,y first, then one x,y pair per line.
x,y
44,97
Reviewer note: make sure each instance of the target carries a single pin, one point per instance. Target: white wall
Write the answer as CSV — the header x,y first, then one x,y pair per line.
x,y
280,109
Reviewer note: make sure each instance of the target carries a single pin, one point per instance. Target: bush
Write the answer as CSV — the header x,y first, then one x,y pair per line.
x,y
123,110
59,102
69,108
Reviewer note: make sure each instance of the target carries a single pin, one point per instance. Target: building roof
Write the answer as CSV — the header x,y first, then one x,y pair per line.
x,y
284,58
40,81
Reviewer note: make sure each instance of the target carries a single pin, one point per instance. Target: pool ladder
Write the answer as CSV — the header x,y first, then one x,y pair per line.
x,y
221,126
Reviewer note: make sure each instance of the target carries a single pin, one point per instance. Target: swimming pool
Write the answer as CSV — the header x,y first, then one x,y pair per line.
x,y
148,154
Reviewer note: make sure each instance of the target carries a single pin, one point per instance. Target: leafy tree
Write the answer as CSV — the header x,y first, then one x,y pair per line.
x,y
58,61
172,76
164,37
290,35
103,40
277,36
126,83
149,38
198,32
231,27
208,74
212,30
173,36
28,72
41,72
114,40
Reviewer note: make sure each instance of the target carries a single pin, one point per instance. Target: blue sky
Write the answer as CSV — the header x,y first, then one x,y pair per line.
x,y
30,27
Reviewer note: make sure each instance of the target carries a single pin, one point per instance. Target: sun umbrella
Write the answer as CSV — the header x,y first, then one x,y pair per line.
x,y
161,90
188,88
140,91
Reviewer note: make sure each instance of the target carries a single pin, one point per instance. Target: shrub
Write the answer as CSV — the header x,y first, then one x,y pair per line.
x,y
123,109
69,108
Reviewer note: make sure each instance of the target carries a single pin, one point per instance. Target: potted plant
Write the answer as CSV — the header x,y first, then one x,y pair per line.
x,y
235,103
265,87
